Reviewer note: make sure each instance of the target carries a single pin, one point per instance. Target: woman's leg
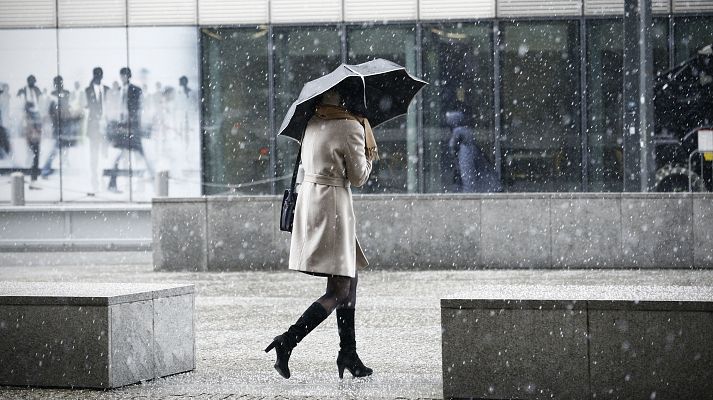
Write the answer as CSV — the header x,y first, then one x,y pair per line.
x,y
348,357
337,293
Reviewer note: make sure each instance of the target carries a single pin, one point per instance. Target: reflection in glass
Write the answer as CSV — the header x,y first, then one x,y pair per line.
x,y
301,54
540,143
397,169
458,62
27,137
235,111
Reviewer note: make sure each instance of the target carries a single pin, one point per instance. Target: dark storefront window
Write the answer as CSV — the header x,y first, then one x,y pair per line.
x,y
458,64
540,143
301,54
397,169
236,135
604,98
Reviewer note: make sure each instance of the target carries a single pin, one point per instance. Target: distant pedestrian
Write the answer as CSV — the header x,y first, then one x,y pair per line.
x,y
324,242
476,173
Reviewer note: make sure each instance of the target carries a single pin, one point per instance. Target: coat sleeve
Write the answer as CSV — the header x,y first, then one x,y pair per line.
x,y
358,166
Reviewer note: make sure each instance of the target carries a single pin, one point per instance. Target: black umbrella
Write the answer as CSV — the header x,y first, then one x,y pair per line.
x,y
379,90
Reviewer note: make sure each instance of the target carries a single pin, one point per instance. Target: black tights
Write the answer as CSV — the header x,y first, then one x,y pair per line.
x,y
340,293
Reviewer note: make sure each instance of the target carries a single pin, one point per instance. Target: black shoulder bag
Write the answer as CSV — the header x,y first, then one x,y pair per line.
x,y
289,199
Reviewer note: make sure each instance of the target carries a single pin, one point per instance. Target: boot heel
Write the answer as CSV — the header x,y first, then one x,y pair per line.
x,y
341,371
270,347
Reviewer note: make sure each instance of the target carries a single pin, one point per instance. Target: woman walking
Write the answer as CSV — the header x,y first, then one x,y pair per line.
x,y
337,151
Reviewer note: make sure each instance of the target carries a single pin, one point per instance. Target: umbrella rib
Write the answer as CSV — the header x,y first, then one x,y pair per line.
x,y
363,82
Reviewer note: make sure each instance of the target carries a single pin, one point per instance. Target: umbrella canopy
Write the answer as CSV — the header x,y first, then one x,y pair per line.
x,y
379,90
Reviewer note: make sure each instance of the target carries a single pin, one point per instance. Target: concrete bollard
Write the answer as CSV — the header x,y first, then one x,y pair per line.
x,y
161,189
17,190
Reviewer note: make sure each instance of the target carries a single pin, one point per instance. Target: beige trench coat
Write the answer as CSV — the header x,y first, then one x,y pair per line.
x,y
324,231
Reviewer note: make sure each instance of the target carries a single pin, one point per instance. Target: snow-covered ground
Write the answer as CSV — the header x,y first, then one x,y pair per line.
x,y
237,315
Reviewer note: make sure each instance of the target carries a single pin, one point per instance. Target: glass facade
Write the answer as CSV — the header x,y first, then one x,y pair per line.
x,y
236,126
299,56
605,68
512,105
458,64
397,140
541,140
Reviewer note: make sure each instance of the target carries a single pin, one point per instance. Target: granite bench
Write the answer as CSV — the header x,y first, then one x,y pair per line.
x,y
577,342
94,335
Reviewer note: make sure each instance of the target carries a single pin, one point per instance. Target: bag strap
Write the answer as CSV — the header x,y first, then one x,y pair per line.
x,y
297,165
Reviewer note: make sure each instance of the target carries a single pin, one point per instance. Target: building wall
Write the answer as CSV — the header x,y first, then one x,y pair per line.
x,y
538,80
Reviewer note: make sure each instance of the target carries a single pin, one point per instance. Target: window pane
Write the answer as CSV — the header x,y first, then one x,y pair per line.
x,y
605,68
235,110
87,154
540,144
459,154
396,171
165,61
604,104
27,140
301,54
692,33
660,45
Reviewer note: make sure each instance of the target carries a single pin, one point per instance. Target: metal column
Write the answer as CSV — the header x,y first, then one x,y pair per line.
x,y
639,165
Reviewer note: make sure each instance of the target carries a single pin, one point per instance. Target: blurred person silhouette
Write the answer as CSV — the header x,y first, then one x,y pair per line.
x,y
4,120
59,114
475,171
62,123
185,105
128,130
31,96
97,102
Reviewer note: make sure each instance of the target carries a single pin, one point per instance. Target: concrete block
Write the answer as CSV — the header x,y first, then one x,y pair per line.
x,y
94,335
651,354
515,233
703,232
383,229
179,235
657,232
54,345
240,233
515,353
132,353
586,233
173,335
447,234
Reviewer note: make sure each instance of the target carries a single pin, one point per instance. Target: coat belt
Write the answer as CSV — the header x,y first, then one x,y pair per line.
x,y
326,180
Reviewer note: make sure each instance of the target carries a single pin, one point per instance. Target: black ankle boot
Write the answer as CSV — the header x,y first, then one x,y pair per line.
x,y
283,344
348,357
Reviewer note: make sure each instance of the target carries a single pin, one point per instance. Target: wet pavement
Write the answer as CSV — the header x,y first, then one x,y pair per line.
x,y
237,314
